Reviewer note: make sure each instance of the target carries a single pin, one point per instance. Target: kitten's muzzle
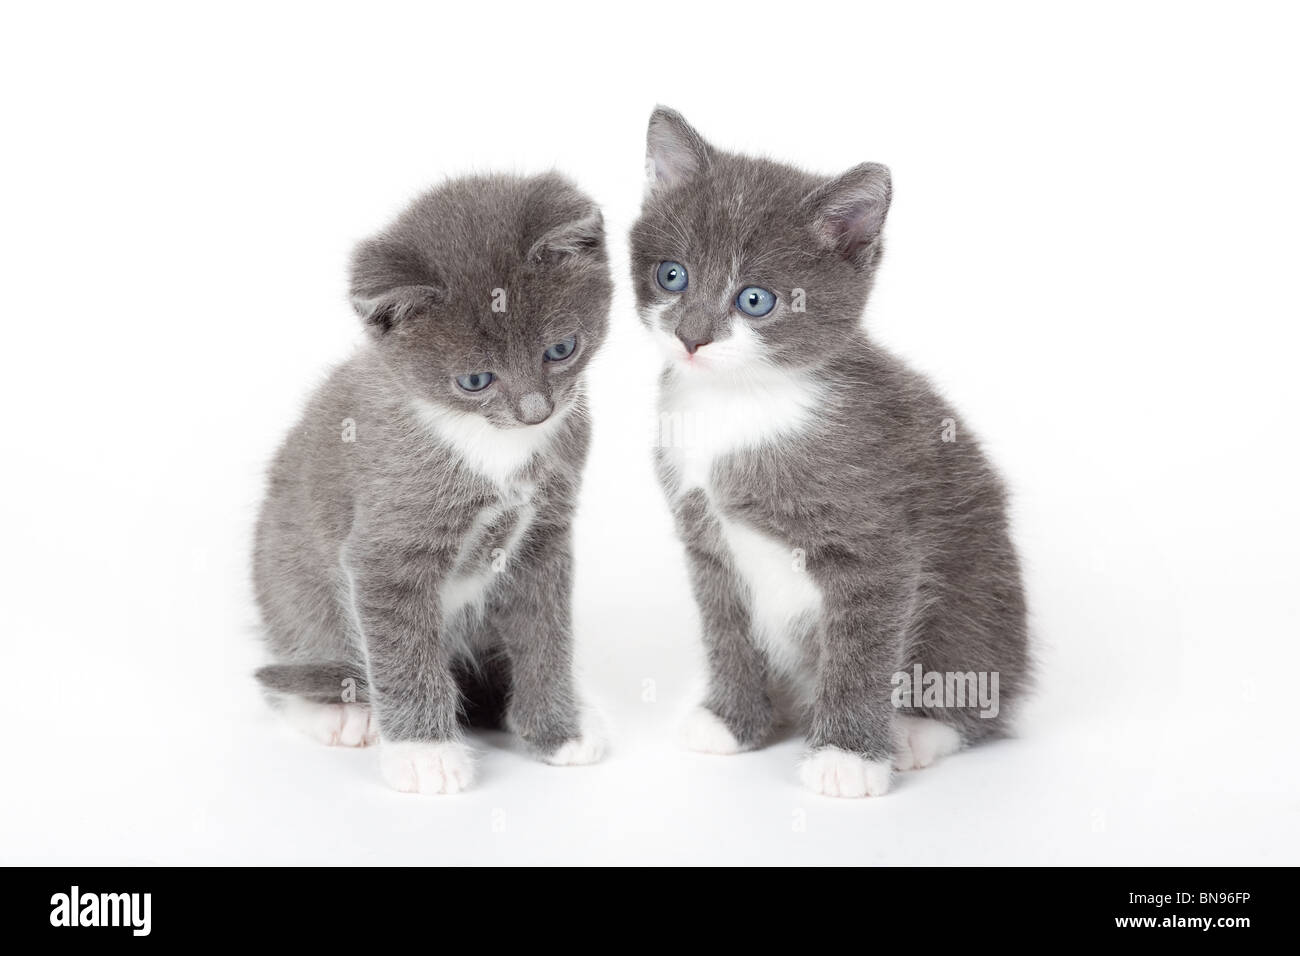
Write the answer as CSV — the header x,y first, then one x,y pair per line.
x,y
693,343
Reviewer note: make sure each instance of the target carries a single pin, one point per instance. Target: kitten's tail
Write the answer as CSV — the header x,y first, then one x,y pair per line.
x,y
484,690
329,682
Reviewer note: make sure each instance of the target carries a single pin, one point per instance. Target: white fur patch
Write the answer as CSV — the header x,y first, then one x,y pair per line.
x,y
463,592
496,453
335,725
784,599
425,767
705,732
589,747
466,593
833,772
922,741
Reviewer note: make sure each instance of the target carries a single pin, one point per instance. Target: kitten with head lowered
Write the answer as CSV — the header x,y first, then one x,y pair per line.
x,y
844,532
412,561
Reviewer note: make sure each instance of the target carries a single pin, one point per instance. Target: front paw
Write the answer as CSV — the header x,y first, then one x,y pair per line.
x,y
706,733
833,772
418,766
588,747
584,749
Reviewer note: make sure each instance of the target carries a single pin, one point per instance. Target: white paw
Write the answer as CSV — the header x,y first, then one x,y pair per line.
x,y
425,767
837,773
336,725
922,741
588,748
705,732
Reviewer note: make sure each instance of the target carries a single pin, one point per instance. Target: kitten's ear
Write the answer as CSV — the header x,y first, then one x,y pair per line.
x,y
390,283
848,212
382,313
581,234
674,152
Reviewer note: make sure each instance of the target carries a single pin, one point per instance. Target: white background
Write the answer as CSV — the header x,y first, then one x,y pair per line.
x,y
1092,250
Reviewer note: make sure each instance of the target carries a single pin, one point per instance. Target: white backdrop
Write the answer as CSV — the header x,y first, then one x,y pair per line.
x,y
1092,250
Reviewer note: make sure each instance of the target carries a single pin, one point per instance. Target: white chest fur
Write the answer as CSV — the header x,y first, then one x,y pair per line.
x,y
705,417
499,455
479,561
495,453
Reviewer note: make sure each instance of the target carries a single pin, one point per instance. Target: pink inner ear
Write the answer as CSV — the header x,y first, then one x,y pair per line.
x,y
672,155
671,164
853,224
581,235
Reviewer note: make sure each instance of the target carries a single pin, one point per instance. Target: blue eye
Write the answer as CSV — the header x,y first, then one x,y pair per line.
x,y
475,381
755,301
672,276
561,350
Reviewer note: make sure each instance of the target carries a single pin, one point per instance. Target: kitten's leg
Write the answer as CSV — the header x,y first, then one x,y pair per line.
x,y
737,713
976,622
411,685
531,612
852,738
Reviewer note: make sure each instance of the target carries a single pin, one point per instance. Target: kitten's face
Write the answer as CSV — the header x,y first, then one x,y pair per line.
x,y
489,296
743,264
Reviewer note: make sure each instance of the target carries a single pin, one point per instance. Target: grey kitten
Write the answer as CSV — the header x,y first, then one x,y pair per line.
x,y
846,536
413,561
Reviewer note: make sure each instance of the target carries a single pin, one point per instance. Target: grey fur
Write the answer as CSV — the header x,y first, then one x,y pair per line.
x,y
905,534
357,538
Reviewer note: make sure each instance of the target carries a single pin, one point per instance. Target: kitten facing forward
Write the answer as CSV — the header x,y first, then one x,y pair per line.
x,y
844,532
412,561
